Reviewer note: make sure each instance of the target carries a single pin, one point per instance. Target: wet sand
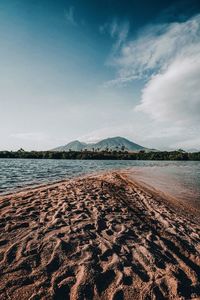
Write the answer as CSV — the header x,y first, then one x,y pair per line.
x,y
97,237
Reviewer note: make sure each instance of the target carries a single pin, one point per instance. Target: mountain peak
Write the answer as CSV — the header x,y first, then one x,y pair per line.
x,y
111,143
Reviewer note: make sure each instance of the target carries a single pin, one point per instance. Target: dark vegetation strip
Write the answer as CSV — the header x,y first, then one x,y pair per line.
x,y
119,155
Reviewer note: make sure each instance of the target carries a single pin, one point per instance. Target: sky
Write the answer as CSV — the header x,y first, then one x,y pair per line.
x,y
92,69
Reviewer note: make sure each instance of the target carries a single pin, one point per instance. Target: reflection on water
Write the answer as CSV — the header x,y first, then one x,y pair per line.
x,y
180,179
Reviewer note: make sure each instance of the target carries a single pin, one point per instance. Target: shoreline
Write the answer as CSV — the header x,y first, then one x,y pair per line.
x,y
180,206
98,236
128,174
47,184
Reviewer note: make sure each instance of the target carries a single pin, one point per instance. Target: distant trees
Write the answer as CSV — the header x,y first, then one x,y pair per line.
x,y
181,150
21,150
105,154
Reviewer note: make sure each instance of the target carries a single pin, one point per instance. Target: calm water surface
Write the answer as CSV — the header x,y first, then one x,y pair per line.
x,y
181,179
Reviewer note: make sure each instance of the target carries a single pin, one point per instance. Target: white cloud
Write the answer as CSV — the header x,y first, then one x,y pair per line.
x,y
156,48
167,58
69,15
118,31
174,95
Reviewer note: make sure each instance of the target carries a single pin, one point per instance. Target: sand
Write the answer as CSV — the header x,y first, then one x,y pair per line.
x,y
97,237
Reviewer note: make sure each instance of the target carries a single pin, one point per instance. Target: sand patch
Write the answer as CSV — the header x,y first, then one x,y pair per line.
x,y
97,237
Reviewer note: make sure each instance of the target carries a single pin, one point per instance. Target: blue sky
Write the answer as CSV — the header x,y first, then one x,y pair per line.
x,y
92,69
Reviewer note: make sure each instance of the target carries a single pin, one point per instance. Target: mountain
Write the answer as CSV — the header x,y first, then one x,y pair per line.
x,y
117,143
114,143
74,146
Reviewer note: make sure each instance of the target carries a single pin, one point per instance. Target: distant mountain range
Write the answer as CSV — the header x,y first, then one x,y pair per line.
x,y
114,143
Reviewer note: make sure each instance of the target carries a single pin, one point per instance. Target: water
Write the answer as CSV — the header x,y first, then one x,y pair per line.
x,y
180,179
177,179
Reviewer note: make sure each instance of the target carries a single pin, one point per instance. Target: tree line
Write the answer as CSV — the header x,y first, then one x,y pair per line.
x,y
118,155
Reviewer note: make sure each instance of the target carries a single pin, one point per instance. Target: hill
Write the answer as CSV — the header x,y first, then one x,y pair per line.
x,y
114,143
74,146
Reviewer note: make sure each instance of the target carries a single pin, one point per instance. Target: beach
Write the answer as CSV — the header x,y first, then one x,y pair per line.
x,y
100,236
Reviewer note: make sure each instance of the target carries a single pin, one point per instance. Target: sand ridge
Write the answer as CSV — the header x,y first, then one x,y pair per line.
x,y
96,237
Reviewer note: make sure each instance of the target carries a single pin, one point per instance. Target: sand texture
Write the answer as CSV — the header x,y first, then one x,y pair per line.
x,y
96,237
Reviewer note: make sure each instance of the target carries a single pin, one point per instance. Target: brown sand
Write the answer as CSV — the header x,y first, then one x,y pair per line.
x,y
96,237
